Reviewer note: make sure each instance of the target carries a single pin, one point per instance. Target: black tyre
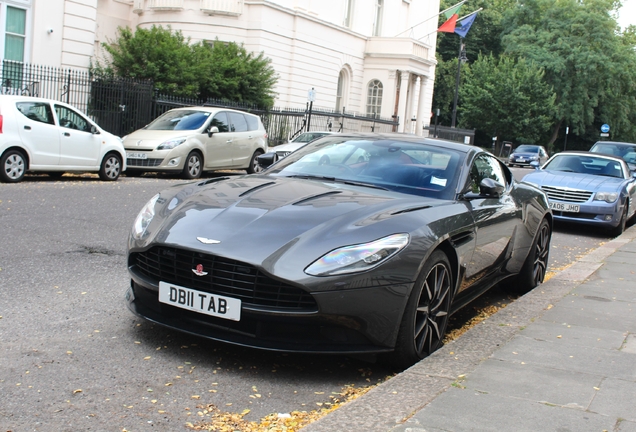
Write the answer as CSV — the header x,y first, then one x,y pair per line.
x,y
615,232
426,315
193,166
254,166
111,167
535,266
14,165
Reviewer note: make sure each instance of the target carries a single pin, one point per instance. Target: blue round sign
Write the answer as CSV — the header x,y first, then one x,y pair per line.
x,y
605,128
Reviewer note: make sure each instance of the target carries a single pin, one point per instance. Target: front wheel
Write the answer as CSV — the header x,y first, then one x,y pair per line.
x,y
254,166
615,232
193,166
426,315
111,167
13,165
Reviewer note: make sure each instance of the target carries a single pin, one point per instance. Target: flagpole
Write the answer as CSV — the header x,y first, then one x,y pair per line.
x,y
459,67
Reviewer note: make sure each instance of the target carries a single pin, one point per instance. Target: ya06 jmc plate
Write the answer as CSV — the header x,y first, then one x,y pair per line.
x,y
198,301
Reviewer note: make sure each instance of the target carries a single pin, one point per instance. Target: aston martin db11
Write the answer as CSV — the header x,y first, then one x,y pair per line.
x,y
360,243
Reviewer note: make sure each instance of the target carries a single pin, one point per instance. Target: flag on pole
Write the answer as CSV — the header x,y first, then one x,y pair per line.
x,y
464,25
449,25
451,19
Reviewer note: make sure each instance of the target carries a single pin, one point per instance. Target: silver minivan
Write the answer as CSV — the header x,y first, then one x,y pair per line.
x,y
196,139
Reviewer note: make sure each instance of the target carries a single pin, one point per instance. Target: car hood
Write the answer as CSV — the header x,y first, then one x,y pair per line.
x,y
149,139
588,182
259,218
289,147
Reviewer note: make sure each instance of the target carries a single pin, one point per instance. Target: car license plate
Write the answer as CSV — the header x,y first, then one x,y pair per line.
x,y
131,155
572,208
198,301
521,160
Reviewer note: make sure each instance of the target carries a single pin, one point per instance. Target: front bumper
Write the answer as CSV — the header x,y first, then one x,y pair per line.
x,y
602,214
155,160
364,320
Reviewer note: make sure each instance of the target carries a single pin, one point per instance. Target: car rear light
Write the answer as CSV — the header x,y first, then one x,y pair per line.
x,y
0,123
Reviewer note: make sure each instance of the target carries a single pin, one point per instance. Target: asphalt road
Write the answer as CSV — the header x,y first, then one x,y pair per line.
x,y
73,357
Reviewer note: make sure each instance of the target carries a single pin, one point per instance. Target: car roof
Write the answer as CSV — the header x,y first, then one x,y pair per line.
x,y
589,154
464,148
613,143
209,109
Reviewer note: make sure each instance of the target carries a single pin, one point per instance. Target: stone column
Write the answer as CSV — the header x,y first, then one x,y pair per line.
x,y
423,117
404,85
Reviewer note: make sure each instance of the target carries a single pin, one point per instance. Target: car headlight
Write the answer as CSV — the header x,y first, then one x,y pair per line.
x,y
144,218
609,197
170,144
357,258
534,157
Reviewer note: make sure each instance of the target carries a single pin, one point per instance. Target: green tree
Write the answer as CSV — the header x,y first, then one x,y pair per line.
x,y
199,70
508,98
585,60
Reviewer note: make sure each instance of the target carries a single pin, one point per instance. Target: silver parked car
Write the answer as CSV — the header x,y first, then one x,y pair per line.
x,y
196,139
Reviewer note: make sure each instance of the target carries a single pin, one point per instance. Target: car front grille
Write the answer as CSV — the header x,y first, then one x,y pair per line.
x,y
143,162
224,277
569,195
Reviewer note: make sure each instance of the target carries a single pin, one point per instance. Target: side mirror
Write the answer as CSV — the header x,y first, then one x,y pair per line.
x,y
491,188
94,130
535,165
266,160
213,130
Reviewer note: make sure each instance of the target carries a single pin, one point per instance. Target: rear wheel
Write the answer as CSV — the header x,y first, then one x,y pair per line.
x,y
13,165
426,315
111,167
254,166
535,266
193,166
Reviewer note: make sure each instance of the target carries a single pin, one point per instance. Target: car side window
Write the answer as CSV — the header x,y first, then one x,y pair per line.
x,y
220,121
252,122
485,166
36,111
239,124
71,120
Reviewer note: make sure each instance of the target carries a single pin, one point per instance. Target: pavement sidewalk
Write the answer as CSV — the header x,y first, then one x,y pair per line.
x,y
561,358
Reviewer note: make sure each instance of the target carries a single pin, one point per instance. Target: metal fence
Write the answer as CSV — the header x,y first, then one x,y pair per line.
x,y
122,105
466,136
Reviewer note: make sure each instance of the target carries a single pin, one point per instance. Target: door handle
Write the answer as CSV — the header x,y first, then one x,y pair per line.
x,y
67,134
27,127
229,141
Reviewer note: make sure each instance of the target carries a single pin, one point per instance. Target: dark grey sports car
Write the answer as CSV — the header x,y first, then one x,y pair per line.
x,y
352,244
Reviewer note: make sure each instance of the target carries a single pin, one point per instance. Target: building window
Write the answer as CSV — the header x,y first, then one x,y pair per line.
x,y
374,98
348,18
377,22
341,91
14,47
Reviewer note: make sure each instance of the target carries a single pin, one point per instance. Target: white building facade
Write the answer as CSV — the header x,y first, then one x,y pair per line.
x,y
373,57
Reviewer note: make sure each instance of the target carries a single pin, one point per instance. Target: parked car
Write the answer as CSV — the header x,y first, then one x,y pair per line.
x,y
624,150
196,139
526,153
47,136
296,143
588,188
352,257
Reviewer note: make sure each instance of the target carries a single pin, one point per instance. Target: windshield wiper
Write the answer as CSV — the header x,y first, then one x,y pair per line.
x,y
311,177
357,183
334,179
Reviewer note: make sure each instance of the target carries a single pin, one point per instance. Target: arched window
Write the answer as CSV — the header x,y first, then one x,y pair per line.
x,y
374,98
341,91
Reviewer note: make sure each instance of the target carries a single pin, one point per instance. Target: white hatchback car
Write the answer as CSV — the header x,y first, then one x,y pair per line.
x,y
196,139
42,135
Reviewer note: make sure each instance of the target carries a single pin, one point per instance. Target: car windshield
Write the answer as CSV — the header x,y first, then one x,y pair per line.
x,y
179,120
584,164
408,167
627,151
527,149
